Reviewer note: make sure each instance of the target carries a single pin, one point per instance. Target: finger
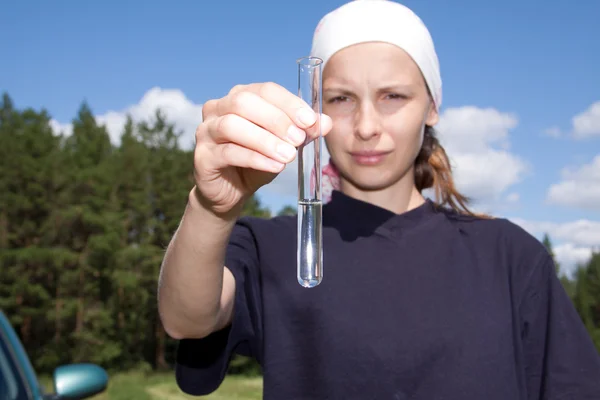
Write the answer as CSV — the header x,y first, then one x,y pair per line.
x,y
232,128
254,108
293,106
231,154
326,124
208,109
321,128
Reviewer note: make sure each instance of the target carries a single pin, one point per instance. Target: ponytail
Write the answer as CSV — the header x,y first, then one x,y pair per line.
x,y
432,169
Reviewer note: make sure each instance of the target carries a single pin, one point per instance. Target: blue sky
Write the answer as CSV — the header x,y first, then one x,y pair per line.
x,y
524,68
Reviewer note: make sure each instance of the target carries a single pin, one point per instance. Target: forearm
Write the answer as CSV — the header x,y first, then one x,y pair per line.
x,y
191,278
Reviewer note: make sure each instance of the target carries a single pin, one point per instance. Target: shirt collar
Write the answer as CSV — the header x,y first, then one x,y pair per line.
x,y
356,217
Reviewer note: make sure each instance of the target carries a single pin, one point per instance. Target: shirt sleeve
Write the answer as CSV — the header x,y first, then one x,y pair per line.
x,y
561,361
201,364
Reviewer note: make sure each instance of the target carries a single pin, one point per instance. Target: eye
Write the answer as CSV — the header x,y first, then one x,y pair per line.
x,y
396,96
338,99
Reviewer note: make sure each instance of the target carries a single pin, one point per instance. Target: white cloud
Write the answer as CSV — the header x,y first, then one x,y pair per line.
x,y
64,128
553,132
471,129
581,232
587,123
570,257
579,187
477,142
513,197
584,125
178,109
573,242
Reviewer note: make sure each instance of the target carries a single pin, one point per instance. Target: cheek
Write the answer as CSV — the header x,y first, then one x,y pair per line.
x,y
407,138
405,132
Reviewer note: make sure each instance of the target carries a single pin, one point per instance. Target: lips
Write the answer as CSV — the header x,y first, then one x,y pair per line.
x,y
369,157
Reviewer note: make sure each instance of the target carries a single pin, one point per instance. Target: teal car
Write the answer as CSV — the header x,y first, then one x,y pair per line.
x,y
18,380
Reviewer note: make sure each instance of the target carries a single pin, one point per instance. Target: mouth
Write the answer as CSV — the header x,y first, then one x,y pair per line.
x,y
371,157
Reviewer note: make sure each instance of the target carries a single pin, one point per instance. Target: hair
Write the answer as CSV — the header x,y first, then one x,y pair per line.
x,y
433,170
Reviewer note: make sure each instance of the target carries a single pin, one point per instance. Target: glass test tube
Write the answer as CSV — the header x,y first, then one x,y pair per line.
x,y
310,245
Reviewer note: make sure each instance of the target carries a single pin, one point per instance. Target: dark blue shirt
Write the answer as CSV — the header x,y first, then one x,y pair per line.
x,y
427,304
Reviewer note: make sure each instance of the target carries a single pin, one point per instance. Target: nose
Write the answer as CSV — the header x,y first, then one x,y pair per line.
x,y
367,122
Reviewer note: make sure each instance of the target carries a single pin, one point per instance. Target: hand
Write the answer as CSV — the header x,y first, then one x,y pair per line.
x,y
246,139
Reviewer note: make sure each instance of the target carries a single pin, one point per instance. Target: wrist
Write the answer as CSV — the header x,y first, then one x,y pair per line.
x,y
197,205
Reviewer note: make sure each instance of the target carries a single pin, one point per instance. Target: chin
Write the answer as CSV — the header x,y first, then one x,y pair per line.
x,y
372,181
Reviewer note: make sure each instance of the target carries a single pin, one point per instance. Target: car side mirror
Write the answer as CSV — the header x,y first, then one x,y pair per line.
x,y
79,381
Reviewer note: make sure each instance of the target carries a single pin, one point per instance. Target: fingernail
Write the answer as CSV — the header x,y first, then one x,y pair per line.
x,y
306,117
296,135
286,151
273,165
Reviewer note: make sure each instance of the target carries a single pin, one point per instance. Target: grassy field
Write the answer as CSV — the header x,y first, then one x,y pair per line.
x,y
137,386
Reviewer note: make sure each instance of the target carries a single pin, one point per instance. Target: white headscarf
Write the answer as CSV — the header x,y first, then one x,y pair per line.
x,y
386,21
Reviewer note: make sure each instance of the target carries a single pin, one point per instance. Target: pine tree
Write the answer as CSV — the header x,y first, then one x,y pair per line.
x,y
30,176
169,177
84,224
87,224
548,244
287,210
587,296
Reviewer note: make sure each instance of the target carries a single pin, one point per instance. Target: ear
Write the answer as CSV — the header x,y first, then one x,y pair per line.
x,y
433,116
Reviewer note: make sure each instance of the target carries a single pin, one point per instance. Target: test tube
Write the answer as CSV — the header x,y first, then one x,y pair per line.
x,y
310,244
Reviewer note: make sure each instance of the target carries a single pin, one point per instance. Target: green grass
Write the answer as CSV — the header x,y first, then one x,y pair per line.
x,y
138,386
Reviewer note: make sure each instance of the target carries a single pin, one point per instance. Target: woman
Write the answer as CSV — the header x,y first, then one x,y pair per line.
x,y
419,301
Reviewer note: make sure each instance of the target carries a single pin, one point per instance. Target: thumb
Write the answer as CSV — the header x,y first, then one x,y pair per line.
x,y
326,124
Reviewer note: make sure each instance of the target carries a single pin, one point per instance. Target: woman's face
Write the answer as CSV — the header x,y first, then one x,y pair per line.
x,y
379,104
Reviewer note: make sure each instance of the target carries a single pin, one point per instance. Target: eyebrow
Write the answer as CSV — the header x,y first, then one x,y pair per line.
x,y
396,86
338,90
391,86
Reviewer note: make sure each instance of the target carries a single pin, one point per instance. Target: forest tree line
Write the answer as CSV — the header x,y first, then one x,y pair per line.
x,y
84,225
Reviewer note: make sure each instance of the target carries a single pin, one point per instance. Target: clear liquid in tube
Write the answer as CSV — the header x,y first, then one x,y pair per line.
x,y
310,256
